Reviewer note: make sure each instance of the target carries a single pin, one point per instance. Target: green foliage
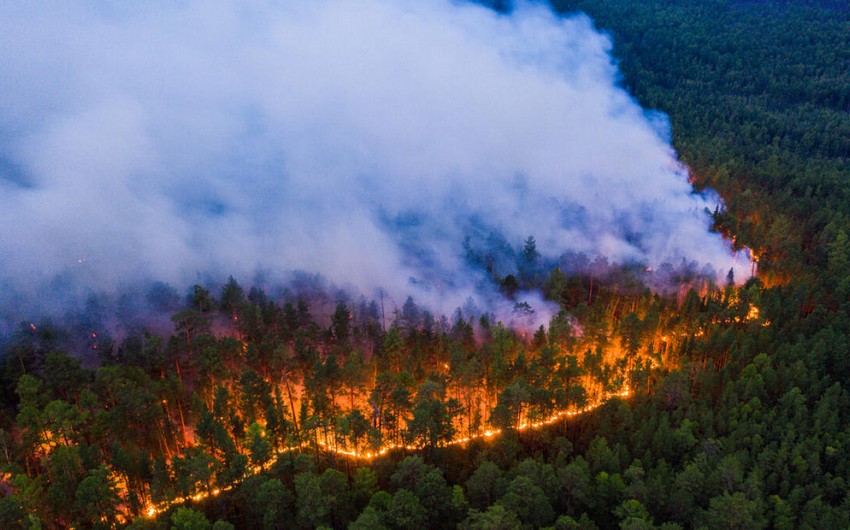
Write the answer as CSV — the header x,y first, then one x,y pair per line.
x,y
485,485
312,511
732,420
189,519
259,447
274,501
96,500
732,511
12,513
369,519
496,517
528,501
405,511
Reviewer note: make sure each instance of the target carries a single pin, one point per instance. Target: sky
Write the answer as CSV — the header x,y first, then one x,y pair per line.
x,y
364,140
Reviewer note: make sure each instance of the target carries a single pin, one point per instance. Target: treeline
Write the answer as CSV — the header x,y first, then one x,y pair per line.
x,y
758,96
245,382
743,423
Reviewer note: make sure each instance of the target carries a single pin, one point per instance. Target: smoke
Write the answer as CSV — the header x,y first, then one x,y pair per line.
x,y
365,140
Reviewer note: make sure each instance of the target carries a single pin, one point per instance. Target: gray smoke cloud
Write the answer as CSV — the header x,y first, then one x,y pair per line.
x,y
364,140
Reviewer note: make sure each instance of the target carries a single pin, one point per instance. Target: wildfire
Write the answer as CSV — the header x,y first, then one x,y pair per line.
x,y
753,313
152,510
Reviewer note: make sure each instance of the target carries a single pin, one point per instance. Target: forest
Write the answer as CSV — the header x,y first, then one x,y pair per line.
x,y
652,399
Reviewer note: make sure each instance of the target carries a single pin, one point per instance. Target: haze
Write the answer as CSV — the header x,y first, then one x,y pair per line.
x,y
363,140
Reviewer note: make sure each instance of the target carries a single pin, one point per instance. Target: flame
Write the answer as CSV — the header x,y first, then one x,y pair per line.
x,y
152,510
753,312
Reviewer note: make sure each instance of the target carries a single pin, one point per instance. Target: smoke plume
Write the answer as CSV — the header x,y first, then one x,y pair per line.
x,y
380,143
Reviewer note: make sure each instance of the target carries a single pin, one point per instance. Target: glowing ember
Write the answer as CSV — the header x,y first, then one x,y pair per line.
x,y
753,313
152,510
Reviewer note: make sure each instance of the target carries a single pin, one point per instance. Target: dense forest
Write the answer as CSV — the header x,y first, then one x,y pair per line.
x,y
653,398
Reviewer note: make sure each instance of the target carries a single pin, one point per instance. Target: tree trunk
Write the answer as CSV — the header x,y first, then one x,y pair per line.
x,y
291,401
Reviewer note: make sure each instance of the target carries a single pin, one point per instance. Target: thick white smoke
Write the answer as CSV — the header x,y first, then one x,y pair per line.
x,y
362,139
